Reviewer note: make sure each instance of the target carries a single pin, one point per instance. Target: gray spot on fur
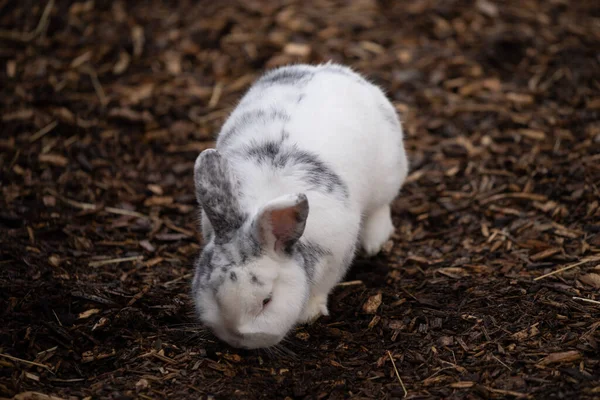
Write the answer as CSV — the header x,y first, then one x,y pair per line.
x,y
203,268
309,254
262,117
289,75
207,233
218,259
390,116
315,172
254,279
217,195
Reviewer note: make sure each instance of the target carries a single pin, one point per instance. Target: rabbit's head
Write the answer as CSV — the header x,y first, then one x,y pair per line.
x,y
250,283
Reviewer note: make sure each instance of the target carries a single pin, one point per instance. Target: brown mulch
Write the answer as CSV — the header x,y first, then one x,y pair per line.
x,y
104,106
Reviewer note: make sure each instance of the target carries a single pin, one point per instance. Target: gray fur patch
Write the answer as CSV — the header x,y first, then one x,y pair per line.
x,y
217,195
309,254
289,75
262,117
203,268
218,260
316,173
254,279
390,116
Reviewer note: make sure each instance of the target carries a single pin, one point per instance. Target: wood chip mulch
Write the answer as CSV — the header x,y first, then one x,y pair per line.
x,y
489,289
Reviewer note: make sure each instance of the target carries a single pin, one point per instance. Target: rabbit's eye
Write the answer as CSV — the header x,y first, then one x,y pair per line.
x,y
266,301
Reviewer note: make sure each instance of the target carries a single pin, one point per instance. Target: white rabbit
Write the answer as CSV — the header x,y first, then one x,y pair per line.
x,y
304,169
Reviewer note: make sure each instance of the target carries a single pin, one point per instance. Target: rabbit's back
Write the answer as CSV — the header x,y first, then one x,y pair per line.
x,y
316,128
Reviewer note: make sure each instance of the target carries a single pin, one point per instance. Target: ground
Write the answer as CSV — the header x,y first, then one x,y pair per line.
x,y
104,106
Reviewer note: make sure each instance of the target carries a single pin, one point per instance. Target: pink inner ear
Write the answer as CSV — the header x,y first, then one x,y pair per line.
x,y
283,223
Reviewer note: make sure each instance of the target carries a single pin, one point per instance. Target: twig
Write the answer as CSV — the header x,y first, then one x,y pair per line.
x,y
216,95
96,84
521,196
153,353
43,131
29,36
114,261
408,293
500,361
27,362
76,204
169,224
509,393
169,283
584,261
587,300
57,319
350,283
121,211
397,374
15,158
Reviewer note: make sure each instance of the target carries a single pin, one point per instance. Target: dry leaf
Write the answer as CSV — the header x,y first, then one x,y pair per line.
x,y
462,385
19,115
195,147
452,272
532,134
135,94
297,49
487,8
372,304
527,333
592,280
146,245
232,357
131,115
158,201
142,384
520,98
565,356
172,62
11,68
396,325
374,321
35,396
88,313
81,59
54,159
122,63
545,254
138,39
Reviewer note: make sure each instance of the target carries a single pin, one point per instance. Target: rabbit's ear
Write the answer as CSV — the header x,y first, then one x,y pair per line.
x,y
217,193
280,223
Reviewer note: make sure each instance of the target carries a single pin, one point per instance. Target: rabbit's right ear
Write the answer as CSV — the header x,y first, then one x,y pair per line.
x,y
217,193
281,222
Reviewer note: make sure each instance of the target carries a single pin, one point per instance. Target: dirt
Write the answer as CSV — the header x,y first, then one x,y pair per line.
x,y
489,289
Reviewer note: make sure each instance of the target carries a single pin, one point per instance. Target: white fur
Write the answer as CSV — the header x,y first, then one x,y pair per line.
x,y
343,122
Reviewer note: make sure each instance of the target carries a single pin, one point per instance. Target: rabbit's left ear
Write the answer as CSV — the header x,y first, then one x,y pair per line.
x,y
281,222
217,193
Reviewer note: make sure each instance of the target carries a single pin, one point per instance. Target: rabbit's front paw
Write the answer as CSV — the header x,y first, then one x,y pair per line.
x,y
317,306
377,230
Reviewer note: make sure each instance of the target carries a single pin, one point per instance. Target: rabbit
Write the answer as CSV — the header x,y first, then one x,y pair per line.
x,y
304,171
